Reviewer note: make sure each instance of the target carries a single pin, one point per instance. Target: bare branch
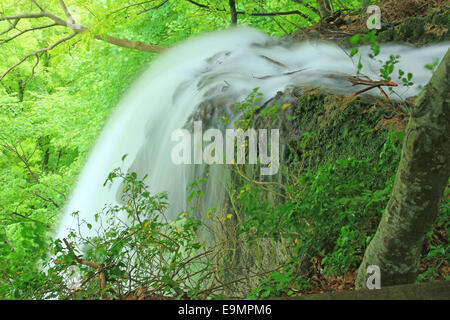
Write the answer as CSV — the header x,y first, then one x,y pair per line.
x,y
24,16
25,31
12,26
32,72
67,12
61,22
155,7
256,14
46,199
37,52
274,20
23,158
37,15
131,6
131,44
74,27
272,14
198,4
80,260
307,5
28,218
37,5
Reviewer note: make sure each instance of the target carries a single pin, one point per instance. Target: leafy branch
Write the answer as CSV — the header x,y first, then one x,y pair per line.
x,y
72,25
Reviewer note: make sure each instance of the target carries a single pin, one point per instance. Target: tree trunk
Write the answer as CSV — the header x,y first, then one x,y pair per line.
x,y
421,178
233,12
324,9
21,90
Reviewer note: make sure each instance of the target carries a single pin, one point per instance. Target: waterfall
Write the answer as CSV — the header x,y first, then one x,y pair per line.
x,y
204,77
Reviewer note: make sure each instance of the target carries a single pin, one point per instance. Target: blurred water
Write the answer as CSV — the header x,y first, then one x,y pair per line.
x,y
206,76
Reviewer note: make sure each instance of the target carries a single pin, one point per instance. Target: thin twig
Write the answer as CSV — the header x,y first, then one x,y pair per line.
x,y
67,12
154,8
36,53
11,26
280,75
27,30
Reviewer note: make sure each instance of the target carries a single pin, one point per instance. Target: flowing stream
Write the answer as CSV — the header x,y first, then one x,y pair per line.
x,y
206,76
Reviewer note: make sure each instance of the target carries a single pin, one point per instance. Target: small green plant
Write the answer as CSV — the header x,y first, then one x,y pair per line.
x,y
432,66
388,66
328,213
133,246
246,109
276,284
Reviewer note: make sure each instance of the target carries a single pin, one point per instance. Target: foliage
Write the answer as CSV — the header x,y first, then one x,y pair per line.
x,y
132,246
51,113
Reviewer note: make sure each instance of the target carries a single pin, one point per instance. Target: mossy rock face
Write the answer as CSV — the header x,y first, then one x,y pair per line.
x,y
431,27
338,126
419,30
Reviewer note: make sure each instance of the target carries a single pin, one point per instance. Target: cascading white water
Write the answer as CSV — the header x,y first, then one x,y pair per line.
x,y
228,64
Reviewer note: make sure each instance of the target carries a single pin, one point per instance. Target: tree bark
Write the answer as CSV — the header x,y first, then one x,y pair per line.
x,y
137,45
421,178
233,12
324,9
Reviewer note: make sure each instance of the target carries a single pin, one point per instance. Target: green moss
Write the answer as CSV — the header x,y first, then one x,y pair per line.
x,y
340,127
419,30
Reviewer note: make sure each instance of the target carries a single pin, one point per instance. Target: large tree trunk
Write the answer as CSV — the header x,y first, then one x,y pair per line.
x,y
421,178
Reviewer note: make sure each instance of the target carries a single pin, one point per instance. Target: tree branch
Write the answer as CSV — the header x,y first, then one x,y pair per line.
x,y
37,5
11,26
23,158
24,16
256,14
32,72
154,8
71,25
36,53
77,28
131,6
28,218
100,268
25,31
67,12
307,5
141,46
198,4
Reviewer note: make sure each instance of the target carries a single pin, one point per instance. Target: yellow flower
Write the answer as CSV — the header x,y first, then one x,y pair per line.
x,y
296,241
179,230
229,216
